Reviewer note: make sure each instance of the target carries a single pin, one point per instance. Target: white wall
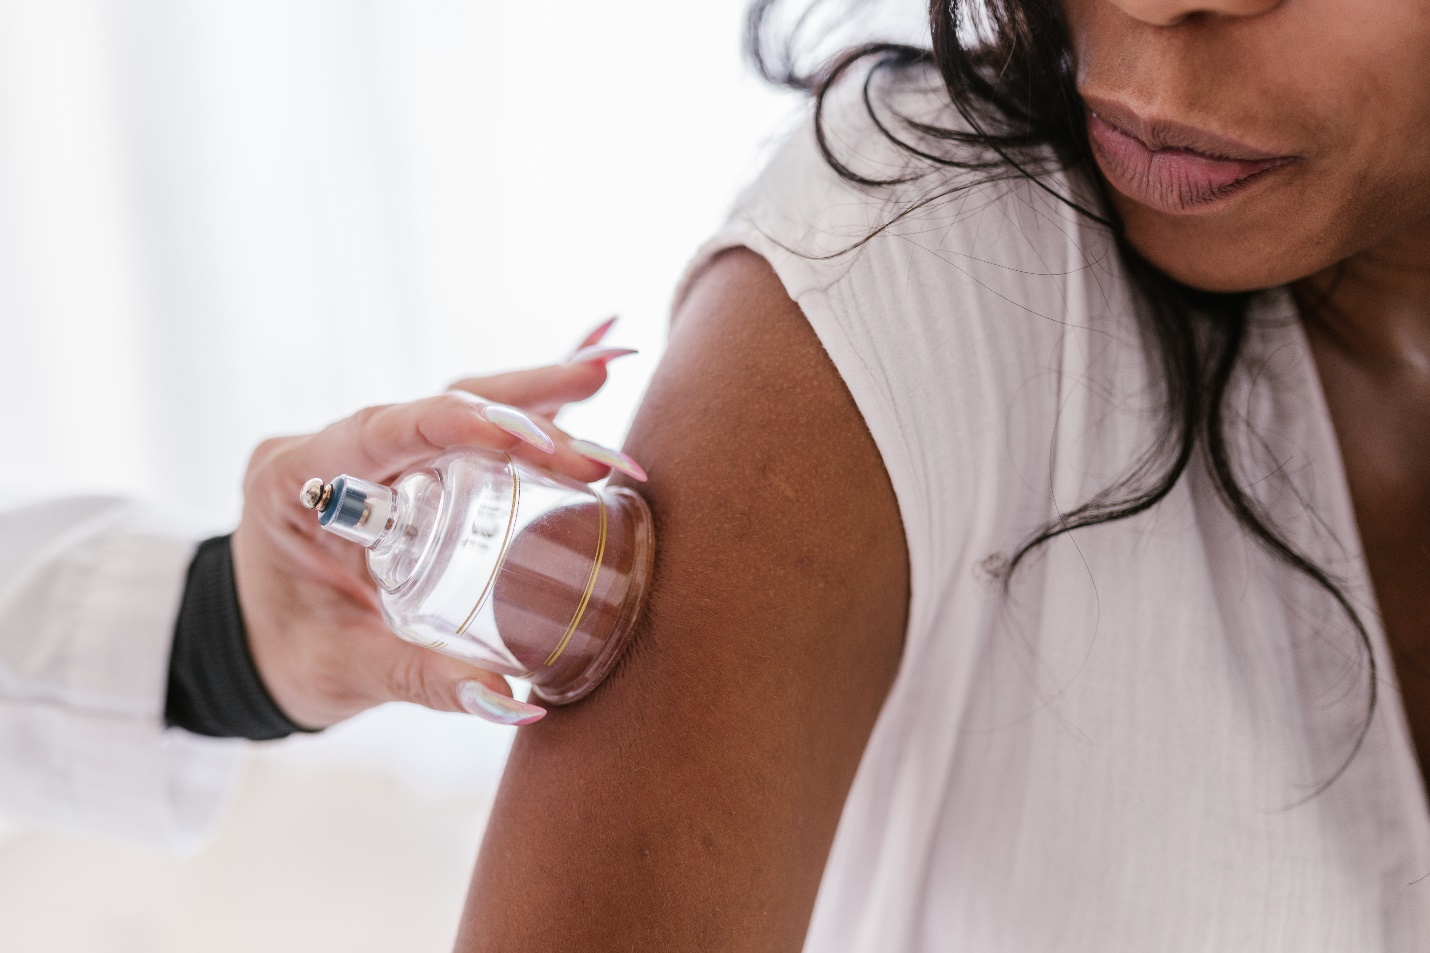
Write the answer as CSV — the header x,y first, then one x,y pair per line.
x,y
221,220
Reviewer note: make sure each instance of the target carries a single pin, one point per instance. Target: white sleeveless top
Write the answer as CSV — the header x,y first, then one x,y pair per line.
x,y
1122,753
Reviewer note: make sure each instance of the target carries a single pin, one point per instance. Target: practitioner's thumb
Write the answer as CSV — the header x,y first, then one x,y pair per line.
x,y
478,698
444,684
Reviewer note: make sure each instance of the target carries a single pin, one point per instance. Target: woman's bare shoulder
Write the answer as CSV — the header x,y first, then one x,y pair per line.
x,y
690,803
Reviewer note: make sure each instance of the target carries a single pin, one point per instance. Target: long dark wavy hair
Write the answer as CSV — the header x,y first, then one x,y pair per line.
x,y
1008,70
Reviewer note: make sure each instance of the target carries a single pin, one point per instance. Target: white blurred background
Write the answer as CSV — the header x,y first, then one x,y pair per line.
x,y
222,220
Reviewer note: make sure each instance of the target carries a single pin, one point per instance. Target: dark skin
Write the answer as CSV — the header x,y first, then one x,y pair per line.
x,y
1372,348
689,804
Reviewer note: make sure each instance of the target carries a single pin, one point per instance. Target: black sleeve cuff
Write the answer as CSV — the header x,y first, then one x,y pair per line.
x,y
214,687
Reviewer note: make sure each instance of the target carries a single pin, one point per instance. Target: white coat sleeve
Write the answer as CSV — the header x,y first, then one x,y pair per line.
x,y
89,593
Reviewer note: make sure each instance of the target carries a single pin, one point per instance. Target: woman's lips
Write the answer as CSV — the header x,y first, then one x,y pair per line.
x,y
1176,180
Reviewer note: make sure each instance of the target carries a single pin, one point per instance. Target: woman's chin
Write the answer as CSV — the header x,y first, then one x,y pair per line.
x,y
1215,276
1223,257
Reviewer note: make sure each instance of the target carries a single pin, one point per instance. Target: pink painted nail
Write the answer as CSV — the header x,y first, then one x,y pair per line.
x,y
611,458
596,335
590,355
519,425
481,701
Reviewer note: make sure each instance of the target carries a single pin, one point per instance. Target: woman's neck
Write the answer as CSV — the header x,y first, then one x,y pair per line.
x,y
1374,307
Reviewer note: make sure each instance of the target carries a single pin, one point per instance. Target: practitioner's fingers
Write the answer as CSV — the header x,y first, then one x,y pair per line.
x,y
545,390
542,390
596,335
435,681
378,443
579,459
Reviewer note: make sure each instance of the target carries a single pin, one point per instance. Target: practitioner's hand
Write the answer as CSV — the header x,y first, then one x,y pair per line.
x,y
310,608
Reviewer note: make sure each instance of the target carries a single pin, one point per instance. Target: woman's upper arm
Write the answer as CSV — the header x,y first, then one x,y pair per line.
x,y
690,802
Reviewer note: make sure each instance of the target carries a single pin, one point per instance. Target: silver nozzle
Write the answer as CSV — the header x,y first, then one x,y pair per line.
x,y
316,495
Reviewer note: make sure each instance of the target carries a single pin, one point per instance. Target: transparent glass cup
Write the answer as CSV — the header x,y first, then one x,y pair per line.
x,y
504,565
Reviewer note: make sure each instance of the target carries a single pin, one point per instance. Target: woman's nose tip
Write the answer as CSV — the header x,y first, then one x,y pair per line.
x,y
1172,12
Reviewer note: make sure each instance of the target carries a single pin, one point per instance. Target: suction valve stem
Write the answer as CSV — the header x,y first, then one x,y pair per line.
x,y
354,509
316,495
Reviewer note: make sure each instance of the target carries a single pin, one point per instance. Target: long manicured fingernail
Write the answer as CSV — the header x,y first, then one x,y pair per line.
x,y
481,701
611,458
605,355
596,335
519,425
